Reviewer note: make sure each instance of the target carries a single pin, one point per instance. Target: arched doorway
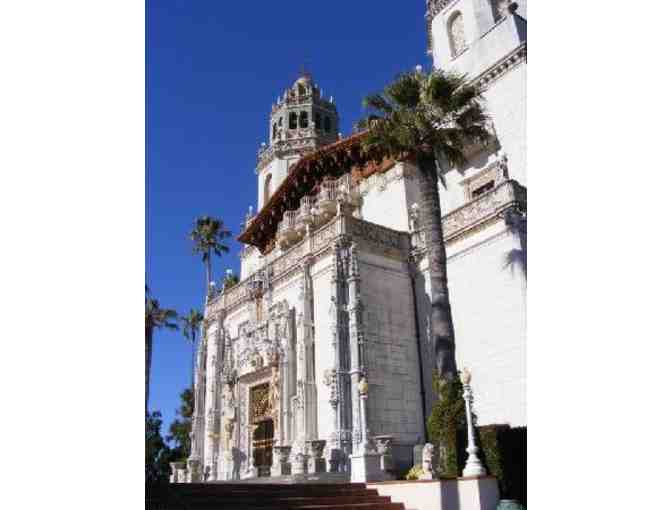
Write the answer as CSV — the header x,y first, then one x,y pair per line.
x,y
262,435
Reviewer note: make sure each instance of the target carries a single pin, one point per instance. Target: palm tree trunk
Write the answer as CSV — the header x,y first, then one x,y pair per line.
x,y
443,334
148,360
193,348
208,277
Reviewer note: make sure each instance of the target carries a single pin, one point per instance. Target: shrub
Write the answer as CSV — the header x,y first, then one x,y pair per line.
x,y
447,417
414,473
504,453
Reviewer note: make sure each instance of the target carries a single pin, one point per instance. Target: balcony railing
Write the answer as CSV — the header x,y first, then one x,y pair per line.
x,y
369,236
487,206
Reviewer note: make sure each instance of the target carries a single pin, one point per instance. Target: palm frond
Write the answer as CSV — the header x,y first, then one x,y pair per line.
x,y
405,90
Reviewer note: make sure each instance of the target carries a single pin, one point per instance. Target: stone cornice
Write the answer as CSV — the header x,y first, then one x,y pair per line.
x,y
376,238
505,64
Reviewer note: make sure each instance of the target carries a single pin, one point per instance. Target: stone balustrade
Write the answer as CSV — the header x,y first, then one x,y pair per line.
x,y
370,236
289,229
483,209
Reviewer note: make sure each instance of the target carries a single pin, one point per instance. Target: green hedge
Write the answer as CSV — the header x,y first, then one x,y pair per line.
x,y
447,418
502,449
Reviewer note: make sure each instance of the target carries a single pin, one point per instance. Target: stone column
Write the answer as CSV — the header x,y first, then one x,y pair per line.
x,y
356,343
332,379
306,401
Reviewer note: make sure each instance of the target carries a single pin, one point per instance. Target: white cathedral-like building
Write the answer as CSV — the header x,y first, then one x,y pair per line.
x,y
319,362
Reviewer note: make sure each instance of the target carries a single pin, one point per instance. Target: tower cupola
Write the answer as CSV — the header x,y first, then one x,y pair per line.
x,y
301,120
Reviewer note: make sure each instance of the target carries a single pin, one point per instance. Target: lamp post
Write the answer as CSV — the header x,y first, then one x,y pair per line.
x,y
473,466
363,388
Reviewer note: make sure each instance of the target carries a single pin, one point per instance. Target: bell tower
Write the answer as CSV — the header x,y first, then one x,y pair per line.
x,y
301,121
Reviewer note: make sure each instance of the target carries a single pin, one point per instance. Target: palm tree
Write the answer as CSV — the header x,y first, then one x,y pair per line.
x,y
191,325
230,279
429,119
208,236
155,318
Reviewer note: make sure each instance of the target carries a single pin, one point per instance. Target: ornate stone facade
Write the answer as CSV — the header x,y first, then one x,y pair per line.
x,y
319,362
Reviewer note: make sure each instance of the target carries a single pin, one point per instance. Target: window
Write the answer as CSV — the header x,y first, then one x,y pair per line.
x,y
275,131
280,122
483,189
456,34
318,121
302,90
292,120
303,120
327,124
267,187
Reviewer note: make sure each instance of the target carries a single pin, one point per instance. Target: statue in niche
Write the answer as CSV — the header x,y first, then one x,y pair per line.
x,y
228,415
257,361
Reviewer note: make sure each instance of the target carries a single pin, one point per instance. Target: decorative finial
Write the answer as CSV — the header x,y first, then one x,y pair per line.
x,y
465,376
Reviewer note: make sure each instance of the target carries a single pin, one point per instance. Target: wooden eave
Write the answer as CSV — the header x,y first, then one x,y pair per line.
x,y
304,176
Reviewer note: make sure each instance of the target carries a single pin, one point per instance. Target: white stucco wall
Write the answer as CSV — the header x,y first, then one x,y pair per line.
x,y
394,405
385,199
506,101
489,313
487,43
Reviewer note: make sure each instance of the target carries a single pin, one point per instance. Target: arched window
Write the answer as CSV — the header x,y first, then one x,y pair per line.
x,y
302,90
275,131
456,34
267,187
303,120
327,124
318,121
280,122
292,120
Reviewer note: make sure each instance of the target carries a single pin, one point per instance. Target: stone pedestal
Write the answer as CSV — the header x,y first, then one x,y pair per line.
x,y
194,471
316,462
252,472
365,467
428,463
281,465
384,447
175,475
335,456
299,464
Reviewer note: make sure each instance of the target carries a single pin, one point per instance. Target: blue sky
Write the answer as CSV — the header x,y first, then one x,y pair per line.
x,y
213,69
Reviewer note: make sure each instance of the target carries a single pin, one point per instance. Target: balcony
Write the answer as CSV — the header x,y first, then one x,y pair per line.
x,y
486,207
289,229
316,210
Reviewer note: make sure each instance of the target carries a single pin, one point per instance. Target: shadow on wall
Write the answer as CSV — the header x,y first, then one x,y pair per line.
x,y
516,259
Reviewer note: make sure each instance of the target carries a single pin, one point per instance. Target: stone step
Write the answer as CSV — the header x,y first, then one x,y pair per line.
x,y
232,496
234,505
249,502
276,492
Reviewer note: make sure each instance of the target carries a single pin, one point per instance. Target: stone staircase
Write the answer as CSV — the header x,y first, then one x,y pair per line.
x,y
241,496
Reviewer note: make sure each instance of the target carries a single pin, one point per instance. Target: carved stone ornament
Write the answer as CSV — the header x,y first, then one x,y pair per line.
x,y
260,404
363,387
428,460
